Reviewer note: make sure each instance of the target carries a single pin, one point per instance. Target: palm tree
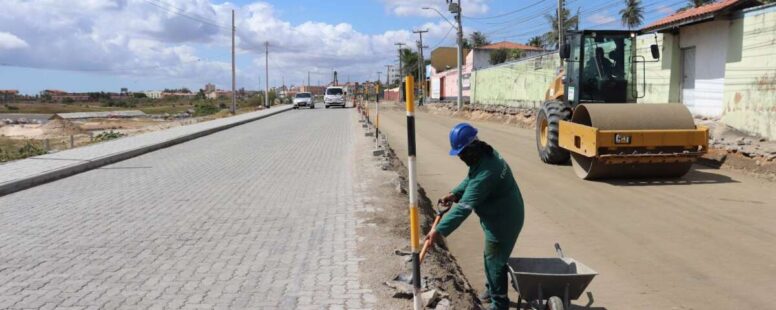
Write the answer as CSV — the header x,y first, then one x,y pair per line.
x,y
409,59
632,14
569,22
694,4
478,39
535,41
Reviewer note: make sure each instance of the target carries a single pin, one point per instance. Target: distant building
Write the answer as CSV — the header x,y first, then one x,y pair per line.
x,y
179,95
8,94
153,94
315,90
218,94
59,95
209,88
444,58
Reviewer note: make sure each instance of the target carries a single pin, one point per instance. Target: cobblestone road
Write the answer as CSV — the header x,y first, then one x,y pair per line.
x,y
259,216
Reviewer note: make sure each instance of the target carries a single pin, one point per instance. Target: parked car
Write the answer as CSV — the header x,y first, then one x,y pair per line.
x,y
304,100
334,96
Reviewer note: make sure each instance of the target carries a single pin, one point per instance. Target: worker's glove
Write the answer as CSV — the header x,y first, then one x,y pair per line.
x,y
449,200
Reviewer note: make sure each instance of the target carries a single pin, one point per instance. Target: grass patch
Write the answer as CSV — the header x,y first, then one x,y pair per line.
x,y
12,149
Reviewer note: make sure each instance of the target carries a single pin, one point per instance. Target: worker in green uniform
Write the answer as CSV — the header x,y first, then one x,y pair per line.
x,y
489,190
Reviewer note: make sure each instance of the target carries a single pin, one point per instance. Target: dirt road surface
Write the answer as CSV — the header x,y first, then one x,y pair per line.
x,y
701,242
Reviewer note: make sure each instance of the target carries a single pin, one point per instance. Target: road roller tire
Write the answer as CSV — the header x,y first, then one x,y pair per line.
x,y
547,132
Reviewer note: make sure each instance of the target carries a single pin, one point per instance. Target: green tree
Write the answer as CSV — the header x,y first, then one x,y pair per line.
x,y
200,95
409,59
632,14
499,56
478,39
694,4
535,41
569,22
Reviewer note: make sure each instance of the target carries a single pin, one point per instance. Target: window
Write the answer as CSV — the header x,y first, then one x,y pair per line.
x,y
303,95
334,91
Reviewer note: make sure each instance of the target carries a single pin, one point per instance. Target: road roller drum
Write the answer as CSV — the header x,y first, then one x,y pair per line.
x,y
632,140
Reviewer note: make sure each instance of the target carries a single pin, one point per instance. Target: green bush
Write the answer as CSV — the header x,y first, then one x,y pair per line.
x,y
31,149
109,135
204,108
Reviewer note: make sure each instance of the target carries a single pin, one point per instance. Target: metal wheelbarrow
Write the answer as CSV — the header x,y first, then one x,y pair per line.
x,y
549,283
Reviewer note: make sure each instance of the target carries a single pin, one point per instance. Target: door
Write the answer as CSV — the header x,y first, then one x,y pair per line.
x,y
688,77
442,92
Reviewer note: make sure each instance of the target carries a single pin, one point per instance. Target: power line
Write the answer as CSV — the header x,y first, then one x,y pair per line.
x,y
443,38
182,13
597,9
507,13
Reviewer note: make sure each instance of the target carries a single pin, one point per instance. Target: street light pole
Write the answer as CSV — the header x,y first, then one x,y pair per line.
x,y
233,109
266,74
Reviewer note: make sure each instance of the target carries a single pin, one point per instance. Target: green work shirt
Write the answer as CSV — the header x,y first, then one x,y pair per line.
x,y
490,190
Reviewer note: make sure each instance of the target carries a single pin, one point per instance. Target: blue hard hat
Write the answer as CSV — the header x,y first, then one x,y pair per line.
x,y
461,136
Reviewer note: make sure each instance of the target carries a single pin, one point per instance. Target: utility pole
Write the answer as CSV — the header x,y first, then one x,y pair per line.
x,y
308,80
401,65
560,24
455,8
234,81
401,70
421,66
388,75
266,74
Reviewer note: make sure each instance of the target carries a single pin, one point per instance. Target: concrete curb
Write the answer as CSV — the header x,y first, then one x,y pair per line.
x,y
86,165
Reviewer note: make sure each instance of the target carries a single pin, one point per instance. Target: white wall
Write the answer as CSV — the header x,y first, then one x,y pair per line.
x,y
710,42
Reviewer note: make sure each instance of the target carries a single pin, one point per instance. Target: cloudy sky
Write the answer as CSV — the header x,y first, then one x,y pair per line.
x,y
88,45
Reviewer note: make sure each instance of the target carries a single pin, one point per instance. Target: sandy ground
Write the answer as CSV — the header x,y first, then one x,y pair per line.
x,y
384,228
701,242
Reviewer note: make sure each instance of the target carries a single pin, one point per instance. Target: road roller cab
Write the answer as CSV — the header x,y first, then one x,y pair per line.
x,y
591,117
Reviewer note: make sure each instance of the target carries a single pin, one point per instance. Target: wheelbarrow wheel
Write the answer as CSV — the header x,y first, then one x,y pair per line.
x,y
554,303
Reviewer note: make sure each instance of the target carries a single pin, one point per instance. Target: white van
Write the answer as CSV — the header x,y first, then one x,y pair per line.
x,y
334,96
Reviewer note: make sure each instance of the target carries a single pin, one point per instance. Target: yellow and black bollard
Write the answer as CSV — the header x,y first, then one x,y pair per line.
x,y
413,193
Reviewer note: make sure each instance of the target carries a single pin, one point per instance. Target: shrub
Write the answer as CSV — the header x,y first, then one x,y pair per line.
x,y
106,136
31,149
202,109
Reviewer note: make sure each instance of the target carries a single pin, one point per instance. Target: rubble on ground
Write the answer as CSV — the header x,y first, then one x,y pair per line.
x,y
731,148
517,116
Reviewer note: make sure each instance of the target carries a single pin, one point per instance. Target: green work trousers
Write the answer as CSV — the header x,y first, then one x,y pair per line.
x,y
496,256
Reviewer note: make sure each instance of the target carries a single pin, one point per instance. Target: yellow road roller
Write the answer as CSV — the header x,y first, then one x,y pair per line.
x,y
590,115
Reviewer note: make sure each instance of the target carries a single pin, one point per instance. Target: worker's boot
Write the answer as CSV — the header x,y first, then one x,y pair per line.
x,y
484,296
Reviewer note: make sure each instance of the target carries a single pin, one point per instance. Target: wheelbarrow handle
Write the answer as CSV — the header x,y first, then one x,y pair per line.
x,y
559,251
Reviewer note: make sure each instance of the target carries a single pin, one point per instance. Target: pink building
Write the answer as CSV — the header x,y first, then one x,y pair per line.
x,y
444,84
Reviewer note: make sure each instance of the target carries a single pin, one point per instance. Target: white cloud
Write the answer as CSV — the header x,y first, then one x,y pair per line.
x,y
414,7
9,41
600,18
153,39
